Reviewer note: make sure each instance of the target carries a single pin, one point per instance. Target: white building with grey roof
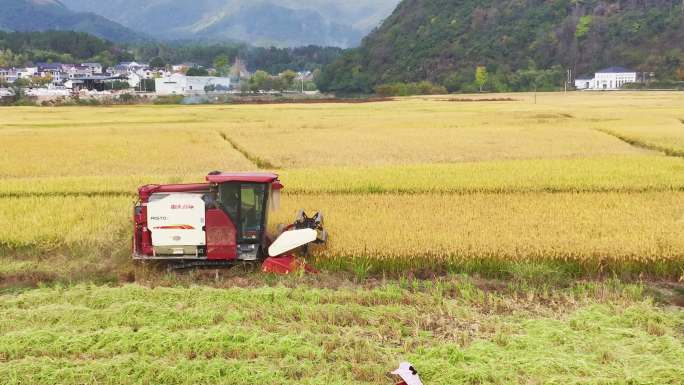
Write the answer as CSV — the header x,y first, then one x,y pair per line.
x,y
612,78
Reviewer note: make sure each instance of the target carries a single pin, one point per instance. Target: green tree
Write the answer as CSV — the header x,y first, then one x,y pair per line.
x,y
277,83
583,26
481,77
22,83
197,72
157,62
41,81
259,81
222,64
7,58
288,77
105,58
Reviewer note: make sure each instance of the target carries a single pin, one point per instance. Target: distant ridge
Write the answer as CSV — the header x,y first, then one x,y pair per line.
x,y
341,23
46,15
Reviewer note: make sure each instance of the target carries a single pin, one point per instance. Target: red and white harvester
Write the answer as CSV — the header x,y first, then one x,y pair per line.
x,y
220,223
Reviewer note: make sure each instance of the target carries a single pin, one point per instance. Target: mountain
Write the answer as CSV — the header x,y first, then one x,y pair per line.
x,y
522,43
261,22
44,15
286,27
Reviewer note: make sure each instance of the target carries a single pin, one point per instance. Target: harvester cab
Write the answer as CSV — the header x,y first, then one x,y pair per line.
x,y
220,222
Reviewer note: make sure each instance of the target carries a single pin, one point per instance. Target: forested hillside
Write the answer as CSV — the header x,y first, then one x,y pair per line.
x,y
21,48
49,15
523,44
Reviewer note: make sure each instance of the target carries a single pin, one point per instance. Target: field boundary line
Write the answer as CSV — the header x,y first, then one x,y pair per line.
x,y
361,191
380,191
643,145
260,163
68,194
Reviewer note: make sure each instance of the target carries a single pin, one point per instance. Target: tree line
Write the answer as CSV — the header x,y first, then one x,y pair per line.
x,y
18,49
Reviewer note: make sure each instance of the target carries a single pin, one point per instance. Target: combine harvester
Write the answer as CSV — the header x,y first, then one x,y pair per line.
x,y
220,223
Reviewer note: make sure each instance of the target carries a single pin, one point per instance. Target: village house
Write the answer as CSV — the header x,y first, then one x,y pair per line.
x,y
10,75
612,78
131,67
27,72
79,71
95,68
54,70
183,67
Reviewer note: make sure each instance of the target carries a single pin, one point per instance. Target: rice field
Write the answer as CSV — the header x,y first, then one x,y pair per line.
x,y
419,183
464,236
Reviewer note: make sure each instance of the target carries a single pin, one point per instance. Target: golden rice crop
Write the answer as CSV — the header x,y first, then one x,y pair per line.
x,y
666,135
113,151
544,181
408,131
62,237
624,173
424,130
425,229
418,230
62,221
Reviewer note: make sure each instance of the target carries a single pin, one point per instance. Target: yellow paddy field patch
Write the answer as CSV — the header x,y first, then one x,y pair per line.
x,y
582,177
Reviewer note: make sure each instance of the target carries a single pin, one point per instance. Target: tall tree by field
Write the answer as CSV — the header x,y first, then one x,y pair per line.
x,y
481,77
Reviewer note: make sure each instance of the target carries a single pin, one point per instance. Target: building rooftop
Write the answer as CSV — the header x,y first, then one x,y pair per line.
x,y
585,77
52,66
614,70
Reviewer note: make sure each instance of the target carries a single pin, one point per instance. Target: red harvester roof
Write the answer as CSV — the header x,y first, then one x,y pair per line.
x,y
146,191
250,177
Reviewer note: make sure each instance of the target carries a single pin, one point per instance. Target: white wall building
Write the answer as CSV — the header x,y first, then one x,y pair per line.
x,y
584,82
612,78
27,72
134,80
179,84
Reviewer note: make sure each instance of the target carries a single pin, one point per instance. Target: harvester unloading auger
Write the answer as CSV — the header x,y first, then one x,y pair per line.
x,y
220,223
